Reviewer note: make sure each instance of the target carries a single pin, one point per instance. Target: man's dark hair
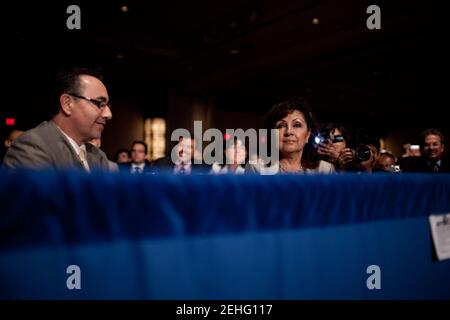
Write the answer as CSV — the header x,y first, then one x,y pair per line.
x,y
140,142
367,137
68,80
116,157
431,131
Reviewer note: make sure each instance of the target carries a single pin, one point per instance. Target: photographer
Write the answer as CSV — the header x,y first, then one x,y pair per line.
x,y
332,142
363,155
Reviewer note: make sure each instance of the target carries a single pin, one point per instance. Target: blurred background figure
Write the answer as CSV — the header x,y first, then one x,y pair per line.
x,y
139,163
235,158
363,154
386,163
96,142
113,167
122,156
13,135
183,163
411,150
432,159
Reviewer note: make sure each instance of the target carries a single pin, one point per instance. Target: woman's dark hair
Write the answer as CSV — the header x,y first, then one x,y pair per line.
x,y
332,126
116,157
280,110
230,143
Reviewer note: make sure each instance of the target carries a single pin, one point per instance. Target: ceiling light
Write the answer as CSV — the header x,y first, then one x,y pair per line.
x,y
315,21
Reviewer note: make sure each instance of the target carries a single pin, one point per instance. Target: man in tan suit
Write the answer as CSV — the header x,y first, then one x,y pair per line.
x,y
62,142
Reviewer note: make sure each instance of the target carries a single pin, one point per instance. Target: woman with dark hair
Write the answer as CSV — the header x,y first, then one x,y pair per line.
x,y
235,156
122,156
296,131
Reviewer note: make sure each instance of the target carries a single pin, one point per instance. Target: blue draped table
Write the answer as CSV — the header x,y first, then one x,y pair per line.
x,y
220,237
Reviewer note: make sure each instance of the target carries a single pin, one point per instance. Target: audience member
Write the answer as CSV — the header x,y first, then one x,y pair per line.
x,y
139,163
296,130
432,158
62,142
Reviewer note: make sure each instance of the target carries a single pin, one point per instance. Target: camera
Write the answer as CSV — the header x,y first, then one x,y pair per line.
x,y
320,138
338,138
362,153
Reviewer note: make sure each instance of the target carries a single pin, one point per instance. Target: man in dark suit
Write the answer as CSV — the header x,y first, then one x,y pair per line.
x,y
62,142
431,160
139,163
182,160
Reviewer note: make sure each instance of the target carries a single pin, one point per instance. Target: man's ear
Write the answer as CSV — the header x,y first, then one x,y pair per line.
x,y
8,143
66,104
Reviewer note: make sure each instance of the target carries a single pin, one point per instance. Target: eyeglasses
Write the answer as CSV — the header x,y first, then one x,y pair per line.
x,y
98,103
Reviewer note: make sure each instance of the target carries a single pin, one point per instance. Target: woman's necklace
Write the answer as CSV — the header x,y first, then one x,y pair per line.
x,y
283,169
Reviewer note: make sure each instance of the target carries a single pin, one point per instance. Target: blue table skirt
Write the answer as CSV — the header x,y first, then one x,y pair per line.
x,y
220,237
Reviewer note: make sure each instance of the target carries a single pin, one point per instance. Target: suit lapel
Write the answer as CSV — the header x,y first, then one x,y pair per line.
x,y
61,147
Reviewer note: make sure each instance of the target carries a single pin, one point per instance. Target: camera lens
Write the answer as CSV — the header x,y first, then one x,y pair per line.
x,y
362,153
